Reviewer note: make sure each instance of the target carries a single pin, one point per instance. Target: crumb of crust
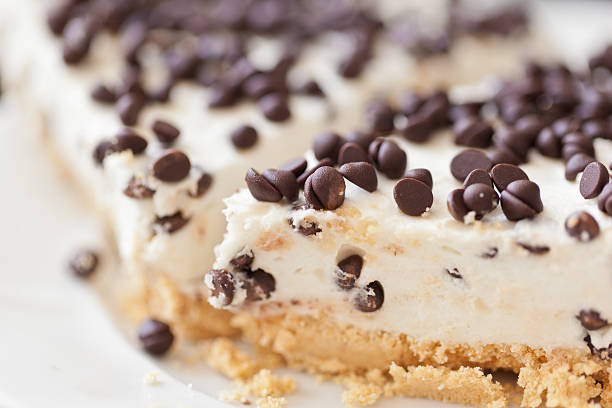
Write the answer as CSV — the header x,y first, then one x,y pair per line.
x,y
271,402
263,385
151,378
223,356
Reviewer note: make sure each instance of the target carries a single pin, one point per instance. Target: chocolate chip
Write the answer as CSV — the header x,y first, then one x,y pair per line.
x,y
304,176
594,129
501,155
591,319
388,157
465,110
155,336
563,126
410,103
504,174
166,132
284,181
473,132
101,93
223,94
243,262
202,186
594,177
416,128
490,253
274,107
576,164
454,273
604,201
582,226
436,108
172,166
352,65
222,285
260,188
370,298
103,149
363,139
170,223
480,198
413,197
58,16
521,199
362,174
379,116
76,40
84,263
351,152
534,249
423,175
297,166
514,141
325,188
137,189
129,107
349,270
455,204
306,228
311,88
574,143
327,145
478,176
548,144
244,137
466,161
259,285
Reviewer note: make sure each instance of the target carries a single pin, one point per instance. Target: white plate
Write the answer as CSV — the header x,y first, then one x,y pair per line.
x,y
59,346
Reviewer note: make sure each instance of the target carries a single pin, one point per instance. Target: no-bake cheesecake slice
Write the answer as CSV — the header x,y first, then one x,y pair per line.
x,y
157,108
478,235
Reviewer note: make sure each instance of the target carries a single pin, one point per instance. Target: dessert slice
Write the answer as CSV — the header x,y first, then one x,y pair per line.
x,y
479,236
158,108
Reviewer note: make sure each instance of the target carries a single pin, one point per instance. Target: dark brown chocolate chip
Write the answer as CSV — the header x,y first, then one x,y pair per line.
x,y
284,181
410,103
260,188
304,176
594,129
473,132
591,319
350,153
311,88
413,197
259,285
363,139
101,93
166,132
388,157
594,177
498,156
127,139
379,116
574,143
490,253
548,144
521,199
222,285
244,137
137,189
243,262
423,175
604,201
349,270
454,273
275,108
327,145
504,174
370,298
563,126
465,110
514,141
77,38
155,336
172,166
582,226
58,16
436,108
223,94
297,166
456,206
170,223
362,174
480,198
306,228
576,164
129,107
466,161
534,249
202,186
103,149
326,189
84,263
478,176
416,128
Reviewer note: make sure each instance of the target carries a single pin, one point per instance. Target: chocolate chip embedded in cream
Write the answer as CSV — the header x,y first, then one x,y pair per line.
x,y
260,188
604,201
594,177
222,285
311,88
504,174
412,196
362,174
136,189
327,145
473,132
521,199
582,226
243,261
297,166
103,94
591,319
454,273
480,198
388,157
84,263
464,162
155,336
129,107
244,137
478,176
172,166
202,185
576,164
349,270
490,253
275,107
165,131
76,36
534,249
351,152
423,175
128,139
456,206
325,189
170,223
259,285
370,298
284,181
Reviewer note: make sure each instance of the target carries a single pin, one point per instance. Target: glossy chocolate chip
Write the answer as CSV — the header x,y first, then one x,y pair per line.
x,y
351,152
594,177
478,176
84,263
155,336
423,175
202,185
504,174
348,271
412,196
416,128
574,143
275,107
388,158
379,116
129,107
363,139
362,174
260,188
473,132
304,176
582,226
244,137
327,145
576,164
325,189
297,166
521,199
591,319
480,198
501,155
172,166
284,181
370,298
464,162
222,285
259,285
548,144
455,204
165,131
